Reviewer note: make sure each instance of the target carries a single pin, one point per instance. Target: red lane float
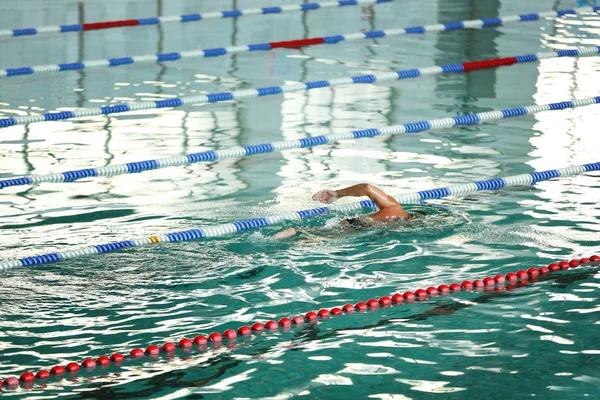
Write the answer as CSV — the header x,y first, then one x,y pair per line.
x,y
522,277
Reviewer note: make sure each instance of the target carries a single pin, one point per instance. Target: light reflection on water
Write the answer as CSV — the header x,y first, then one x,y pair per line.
x,y
473,343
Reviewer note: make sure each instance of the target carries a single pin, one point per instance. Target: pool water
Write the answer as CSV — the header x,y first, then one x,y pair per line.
x,y
535,341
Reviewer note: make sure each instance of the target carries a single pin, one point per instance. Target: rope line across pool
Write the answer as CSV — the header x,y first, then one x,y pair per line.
x,y
251,150
499,282
295,87
221,51
240,226
184,18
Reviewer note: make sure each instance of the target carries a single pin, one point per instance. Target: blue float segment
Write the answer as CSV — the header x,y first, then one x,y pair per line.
x,y
417,127
259,46
58,116
560,13
415,29
364,79
544,175
71,66
492,184
317,84
311,213
186,236
367,204
384,1
251,224
215,52
597,99
114,62
453,68
115,109
470,119
232,14
596,8
149,21
72,176
333,39
176,102
271,10
366,133
529,17
434,194
106,248
139,166
269,91
313,141
24,32
204,156
191,17
374,34
343,3
409,73
310,6
215,97
259,149
19,71
6,122
15,182
43,259
526,58
592,167
562,105
491,21
168,57
513,112
453,26
567,53
71,28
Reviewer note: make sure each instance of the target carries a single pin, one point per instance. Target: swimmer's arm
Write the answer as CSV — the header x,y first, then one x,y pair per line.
x,y
376,195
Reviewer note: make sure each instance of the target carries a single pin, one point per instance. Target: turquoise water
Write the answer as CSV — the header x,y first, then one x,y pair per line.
x,y
539,340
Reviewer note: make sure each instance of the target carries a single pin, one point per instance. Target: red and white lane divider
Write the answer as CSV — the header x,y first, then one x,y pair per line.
x,y
498,282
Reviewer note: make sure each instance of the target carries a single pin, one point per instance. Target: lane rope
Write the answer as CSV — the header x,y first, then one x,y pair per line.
x,y
241,226
201,343
252,150
183,18
221,51
245,94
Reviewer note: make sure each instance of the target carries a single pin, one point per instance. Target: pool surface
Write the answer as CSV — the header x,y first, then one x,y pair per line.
x,y
539,340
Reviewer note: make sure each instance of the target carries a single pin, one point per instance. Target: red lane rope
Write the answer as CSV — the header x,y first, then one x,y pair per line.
x,y
296,44
492,63
498,282
110,24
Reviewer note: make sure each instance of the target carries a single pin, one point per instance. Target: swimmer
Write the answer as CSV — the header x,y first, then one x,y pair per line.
x,y
389,209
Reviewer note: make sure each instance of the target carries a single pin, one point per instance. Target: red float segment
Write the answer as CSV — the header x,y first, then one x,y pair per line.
x,y
136,353
522,274
360,306
152,350
43,374
11,381
72,367
296,44
257,327
397,298
336,311
443,289
117,358
484,64
385,301
169,347
348,308
285,322
543,270
298,320
372,304
487,282
324,313
109,24
533,272
420,295
215,337
455,287
585,261
103,361
88,363
200,340
271,325
499,279
574,263
409,297
244,330
563,265
27,377
229,334
185,343
595,258
466,286
553,267
477,283
431,291
311,316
